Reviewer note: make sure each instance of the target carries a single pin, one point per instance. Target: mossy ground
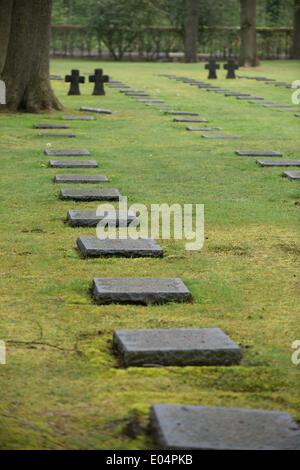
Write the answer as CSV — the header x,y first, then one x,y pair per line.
x,y
62,387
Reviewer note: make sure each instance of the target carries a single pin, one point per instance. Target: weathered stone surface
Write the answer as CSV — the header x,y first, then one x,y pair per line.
x,y
80,179
234,93
275,106
176,347
48,125
143,291
90,218
253,98
189,120
292,175
220,136
181,113
151,101
90,194
95,110
218,428
79,118
73,164
278,163
55,135
258,153
195,129
67,152
94,247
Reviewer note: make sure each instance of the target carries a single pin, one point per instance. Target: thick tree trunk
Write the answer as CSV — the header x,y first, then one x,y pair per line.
x,y
248,49
5,23
26,70
191,30
296,41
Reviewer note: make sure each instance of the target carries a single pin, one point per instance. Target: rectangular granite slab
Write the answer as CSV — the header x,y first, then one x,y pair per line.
x,y
189,120
258,153
93,247
80,179
91,218
280,163
47,125
90,194
67,152
72,164
292,175
145,291
54,135
79,118
195,129
219,428
181,113
220,136
176,347
95,110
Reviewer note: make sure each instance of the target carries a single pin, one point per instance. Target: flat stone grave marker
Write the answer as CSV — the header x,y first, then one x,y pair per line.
x,y
79,118
81,179
253,98
234,94
47,125
212,68
73,164
52,134
145,291
90,194
93,247
276,106
135,95
151,101
95,110
279,163
181,113
258,153
88,218
74,79
218,428
286,110
220,136
67,152
196,129
98,79
176,347
55,77
189,120
292,175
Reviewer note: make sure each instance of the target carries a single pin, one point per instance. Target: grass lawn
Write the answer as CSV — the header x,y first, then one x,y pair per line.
x,y
62,387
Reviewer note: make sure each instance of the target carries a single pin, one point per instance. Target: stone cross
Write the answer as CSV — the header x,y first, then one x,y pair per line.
x,y
99,79
212,66
74,79
231,67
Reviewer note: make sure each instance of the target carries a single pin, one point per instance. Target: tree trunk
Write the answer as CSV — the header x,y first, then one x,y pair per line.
x,y
5,22
26,69
296,41
248,49
191,30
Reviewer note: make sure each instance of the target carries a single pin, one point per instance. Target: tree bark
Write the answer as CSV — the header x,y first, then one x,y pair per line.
x,y
191,30
296,37
5,23
248,49
26,69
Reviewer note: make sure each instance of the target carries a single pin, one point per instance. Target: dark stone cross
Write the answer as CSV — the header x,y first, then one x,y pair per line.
x,y
99,79
212,66
231,67
74,79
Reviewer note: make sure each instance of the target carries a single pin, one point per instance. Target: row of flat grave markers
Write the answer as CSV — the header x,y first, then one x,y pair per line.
x,y
199,121
291,175
179,116
175,427
183,426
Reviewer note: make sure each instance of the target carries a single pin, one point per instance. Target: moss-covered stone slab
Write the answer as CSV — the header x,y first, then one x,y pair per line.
x,y
219,428
176,347
145,291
